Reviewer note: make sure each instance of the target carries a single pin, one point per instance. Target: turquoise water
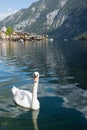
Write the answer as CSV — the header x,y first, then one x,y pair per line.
x,y
62,88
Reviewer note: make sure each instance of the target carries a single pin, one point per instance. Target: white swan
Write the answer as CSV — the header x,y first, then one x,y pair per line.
x,y
25,98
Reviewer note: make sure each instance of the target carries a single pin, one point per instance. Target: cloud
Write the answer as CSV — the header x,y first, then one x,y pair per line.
x,y
8,12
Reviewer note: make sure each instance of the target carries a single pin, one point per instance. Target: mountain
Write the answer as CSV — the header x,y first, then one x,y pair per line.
x,y
59,18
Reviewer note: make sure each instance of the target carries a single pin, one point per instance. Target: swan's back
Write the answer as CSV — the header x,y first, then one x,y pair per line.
x,y
22,97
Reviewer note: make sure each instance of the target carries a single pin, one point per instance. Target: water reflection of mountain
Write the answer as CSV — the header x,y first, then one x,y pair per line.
x,y
52,115
74,97
65,60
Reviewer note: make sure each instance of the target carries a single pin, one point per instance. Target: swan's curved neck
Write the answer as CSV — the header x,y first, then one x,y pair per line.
x,y
34,95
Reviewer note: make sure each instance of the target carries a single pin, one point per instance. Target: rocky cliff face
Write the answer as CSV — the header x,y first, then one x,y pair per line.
x,y
59,18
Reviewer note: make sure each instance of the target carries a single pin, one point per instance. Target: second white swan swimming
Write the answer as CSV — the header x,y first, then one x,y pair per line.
x,y
25,98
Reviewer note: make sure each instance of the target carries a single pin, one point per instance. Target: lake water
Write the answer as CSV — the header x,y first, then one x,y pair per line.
x,y
62,90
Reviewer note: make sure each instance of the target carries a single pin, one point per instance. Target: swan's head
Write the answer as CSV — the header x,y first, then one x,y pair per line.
x,y
36,76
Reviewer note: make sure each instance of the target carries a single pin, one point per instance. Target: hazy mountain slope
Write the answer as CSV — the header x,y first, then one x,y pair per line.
x,y
76,21
59,18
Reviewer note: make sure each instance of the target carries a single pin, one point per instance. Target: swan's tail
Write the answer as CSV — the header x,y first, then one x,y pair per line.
x,y
14,90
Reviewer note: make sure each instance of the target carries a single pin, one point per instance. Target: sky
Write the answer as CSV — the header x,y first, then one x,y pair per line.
x,y
8,7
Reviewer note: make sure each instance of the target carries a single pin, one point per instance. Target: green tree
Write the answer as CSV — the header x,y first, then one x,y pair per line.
x,y
9,31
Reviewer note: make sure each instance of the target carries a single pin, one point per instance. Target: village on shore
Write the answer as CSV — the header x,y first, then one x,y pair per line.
x,y
21,36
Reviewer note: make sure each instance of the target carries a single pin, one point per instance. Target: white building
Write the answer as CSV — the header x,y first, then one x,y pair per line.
x,y
3,32
4,29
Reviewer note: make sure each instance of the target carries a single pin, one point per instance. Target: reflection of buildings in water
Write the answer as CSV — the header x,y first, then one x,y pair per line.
x,y
8,48
4,49
16,49
46,55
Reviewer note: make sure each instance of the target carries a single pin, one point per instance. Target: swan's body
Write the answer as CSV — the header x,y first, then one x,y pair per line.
x,y
25,98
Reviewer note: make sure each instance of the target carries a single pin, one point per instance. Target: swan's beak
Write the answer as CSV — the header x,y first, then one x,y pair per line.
x,y
35,78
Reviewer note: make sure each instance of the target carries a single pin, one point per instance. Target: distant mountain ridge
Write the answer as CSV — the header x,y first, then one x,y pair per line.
x,y
59,18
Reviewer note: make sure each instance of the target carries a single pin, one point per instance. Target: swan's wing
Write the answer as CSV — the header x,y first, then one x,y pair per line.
x,y
21,94
22,97
27,93
14,90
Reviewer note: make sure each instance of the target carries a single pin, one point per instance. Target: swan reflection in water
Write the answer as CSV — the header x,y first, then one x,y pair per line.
x,y
34,119
11,114
31,115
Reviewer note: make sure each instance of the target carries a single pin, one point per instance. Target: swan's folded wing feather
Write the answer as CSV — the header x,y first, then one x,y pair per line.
x,y
21,95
